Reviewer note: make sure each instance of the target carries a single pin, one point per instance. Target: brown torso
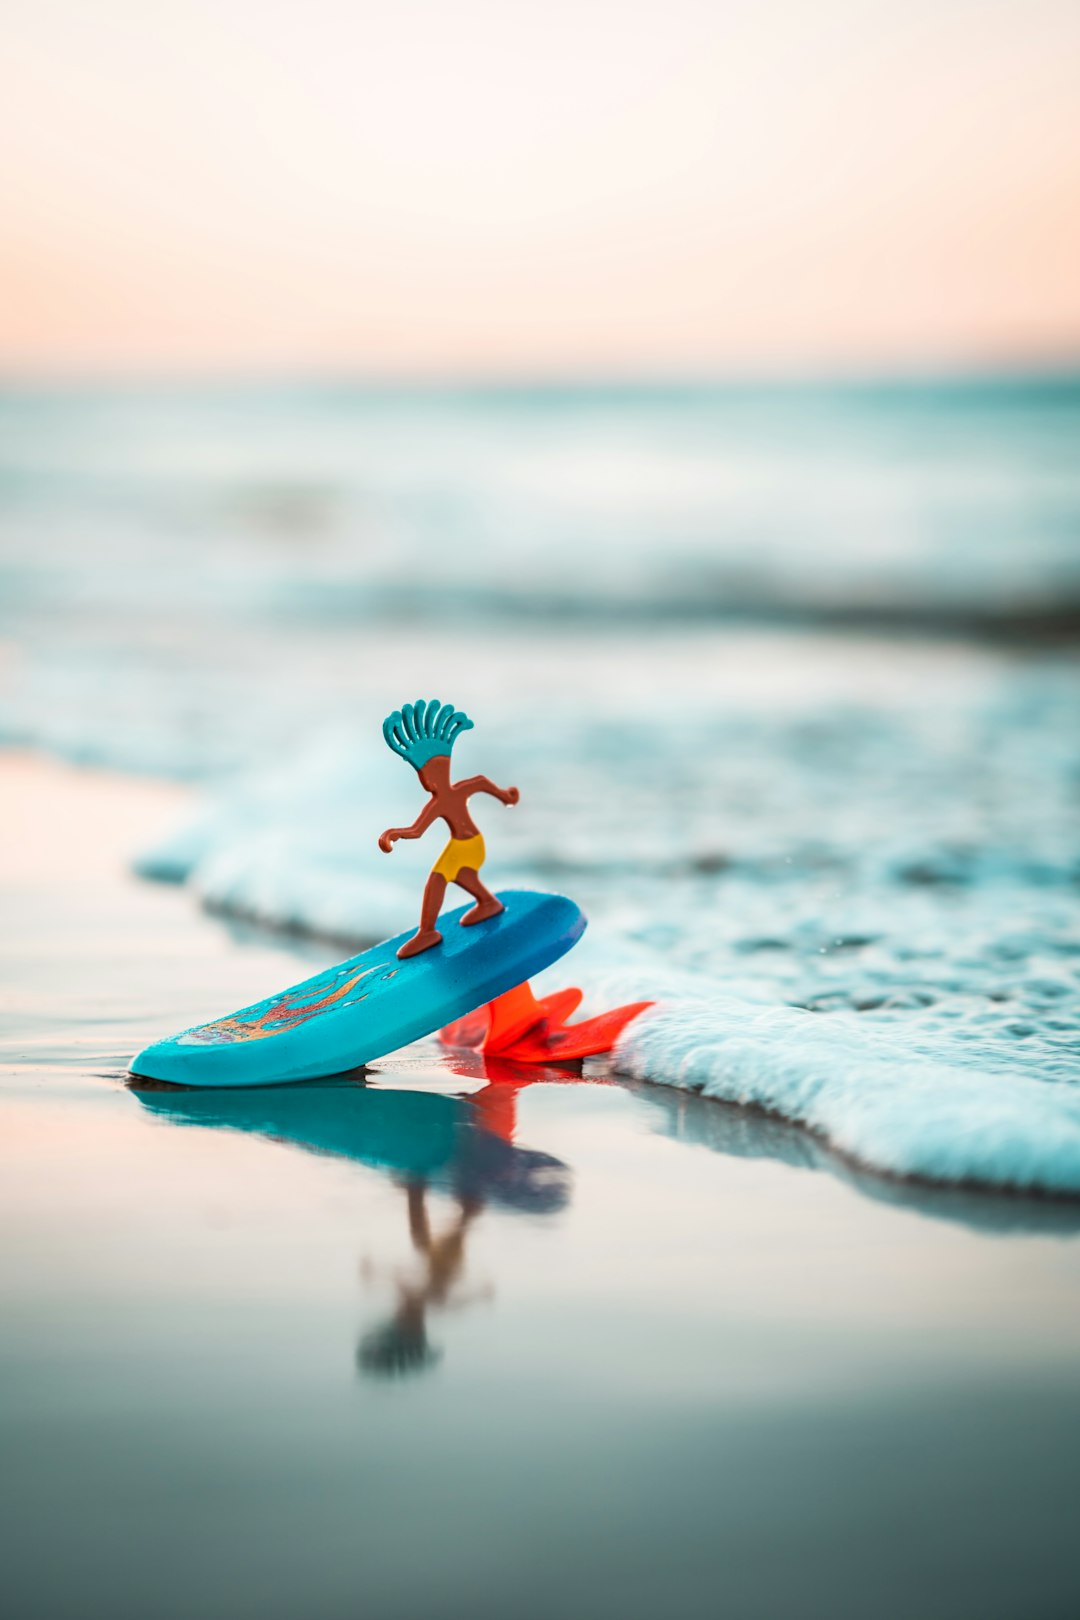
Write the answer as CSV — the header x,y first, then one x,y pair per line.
x,y
447,799
452,804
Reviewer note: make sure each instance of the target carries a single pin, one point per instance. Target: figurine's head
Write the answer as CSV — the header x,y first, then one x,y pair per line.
x,y
399,1347
435,775
421,732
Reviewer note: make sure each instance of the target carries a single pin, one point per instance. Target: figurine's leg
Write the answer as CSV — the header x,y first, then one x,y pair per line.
x,y
427,934
419,1228
486,903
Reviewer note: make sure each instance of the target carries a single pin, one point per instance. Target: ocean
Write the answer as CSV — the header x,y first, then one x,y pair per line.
x,y
786,675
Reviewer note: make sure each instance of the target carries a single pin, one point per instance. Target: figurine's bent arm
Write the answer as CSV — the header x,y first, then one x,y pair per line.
x,y
423,820
418,828
484,784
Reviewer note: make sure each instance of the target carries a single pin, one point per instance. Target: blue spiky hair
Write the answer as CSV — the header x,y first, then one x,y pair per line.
x,y
419,731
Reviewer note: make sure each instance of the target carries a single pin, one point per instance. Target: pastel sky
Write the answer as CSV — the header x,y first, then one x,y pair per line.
x,y
499,187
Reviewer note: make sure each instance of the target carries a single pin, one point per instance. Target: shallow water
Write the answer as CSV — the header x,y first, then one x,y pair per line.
x,y
651,1348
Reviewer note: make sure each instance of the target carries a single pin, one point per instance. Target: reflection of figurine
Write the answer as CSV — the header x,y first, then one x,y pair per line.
x,y
427,1142
424,734
401,1344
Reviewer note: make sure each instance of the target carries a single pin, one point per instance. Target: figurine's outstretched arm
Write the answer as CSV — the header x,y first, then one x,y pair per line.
x,y
418,828
484,784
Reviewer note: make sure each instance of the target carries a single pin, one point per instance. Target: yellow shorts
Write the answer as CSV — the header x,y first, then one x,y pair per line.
x,y
460,852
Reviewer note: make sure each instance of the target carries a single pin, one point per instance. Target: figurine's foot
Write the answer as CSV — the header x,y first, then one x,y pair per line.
x,y
482,911
422,940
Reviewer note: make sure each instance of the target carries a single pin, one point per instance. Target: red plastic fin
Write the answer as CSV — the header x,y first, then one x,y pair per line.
x,y
470,1031
501,1022
510,1016
587,1039
549,1013
517,1025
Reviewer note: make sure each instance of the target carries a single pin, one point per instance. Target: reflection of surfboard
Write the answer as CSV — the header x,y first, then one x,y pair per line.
x,y
371,1004
414,1136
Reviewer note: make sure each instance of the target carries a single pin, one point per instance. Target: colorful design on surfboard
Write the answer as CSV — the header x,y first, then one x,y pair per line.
x,y
283,1011
370,1005
424,733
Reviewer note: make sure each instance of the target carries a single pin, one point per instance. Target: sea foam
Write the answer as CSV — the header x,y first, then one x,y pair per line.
x,y
869,1095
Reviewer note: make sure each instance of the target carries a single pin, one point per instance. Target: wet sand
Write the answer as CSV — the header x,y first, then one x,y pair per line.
x,y
454,1342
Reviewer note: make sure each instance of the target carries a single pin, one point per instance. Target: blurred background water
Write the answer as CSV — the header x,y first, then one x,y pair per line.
x,y
785,673
924,505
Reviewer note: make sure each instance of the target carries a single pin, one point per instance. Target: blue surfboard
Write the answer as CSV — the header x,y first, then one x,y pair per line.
x,y
372,1004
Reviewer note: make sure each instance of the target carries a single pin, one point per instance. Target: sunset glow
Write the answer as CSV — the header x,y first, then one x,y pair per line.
x,y
545,188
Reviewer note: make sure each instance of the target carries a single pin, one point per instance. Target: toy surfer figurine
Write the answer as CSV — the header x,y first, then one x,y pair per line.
x,y
424,734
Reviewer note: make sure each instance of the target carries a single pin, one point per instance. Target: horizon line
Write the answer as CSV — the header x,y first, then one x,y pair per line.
x,y
1063,367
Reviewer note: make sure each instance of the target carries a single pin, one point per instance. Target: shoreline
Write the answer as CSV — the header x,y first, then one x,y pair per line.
x,y
117,813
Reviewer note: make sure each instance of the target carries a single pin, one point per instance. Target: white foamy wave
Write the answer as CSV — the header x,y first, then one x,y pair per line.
x,y
869,1094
